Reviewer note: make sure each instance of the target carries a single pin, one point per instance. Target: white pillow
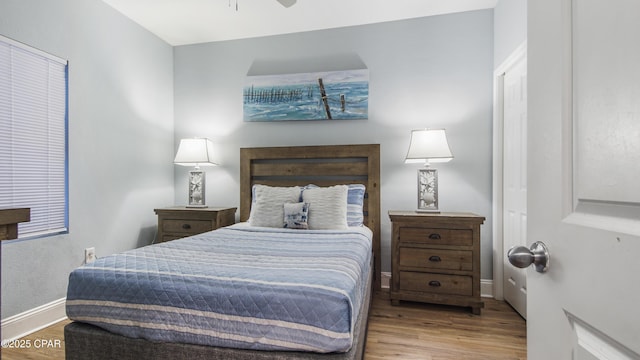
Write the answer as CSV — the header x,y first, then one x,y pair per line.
x,y
327,207
267,209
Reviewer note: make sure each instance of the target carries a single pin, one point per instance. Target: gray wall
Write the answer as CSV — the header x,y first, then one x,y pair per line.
x,y
427,72
510,28
120,140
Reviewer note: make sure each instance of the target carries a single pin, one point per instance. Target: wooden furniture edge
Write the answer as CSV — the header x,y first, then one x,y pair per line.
x,y
9,219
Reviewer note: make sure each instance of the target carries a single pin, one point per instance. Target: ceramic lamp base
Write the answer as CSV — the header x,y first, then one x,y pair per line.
x,y
428,190
197,189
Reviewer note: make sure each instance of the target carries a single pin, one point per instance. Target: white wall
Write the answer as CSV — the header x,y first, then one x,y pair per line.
x,y
120,140
428,72
510,28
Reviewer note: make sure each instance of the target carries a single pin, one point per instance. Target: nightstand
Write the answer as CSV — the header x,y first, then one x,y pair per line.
x,y
179,221
435,258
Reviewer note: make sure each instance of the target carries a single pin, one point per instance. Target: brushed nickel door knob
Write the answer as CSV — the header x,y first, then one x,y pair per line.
x,y
522,257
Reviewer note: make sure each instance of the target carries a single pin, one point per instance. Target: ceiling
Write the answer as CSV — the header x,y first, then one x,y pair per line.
x,y
181,22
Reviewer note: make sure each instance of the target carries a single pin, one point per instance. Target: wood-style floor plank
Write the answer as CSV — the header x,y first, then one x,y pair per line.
x,y
409,331
436,332
46,344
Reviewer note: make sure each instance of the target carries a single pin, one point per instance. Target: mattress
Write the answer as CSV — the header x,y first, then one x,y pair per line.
x,y
240,287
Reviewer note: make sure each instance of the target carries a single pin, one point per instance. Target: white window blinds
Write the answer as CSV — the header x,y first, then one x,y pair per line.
x,y
33,137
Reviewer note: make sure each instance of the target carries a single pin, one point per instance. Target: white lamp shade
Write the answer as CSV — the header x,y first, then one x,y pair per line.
x,y
195,152
428,145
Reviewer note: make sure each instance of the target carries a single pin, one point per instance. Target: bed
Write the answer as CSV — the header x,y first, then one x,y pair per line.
x,y
316,329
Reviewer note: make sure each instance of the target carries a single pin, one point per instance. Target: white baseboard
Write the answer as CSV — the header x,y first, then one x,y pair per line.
x,y
486,285
30,321
486,288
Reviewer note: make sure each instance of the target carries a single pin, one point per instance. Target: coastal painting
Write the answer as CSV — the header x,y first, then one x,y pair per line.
x,y
331,95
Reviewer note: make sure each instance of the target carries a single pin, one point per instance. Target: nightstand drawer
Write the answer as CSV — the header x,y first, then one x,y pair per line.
x,y
437,236
178,221
172,237
436,259
186,226
436,283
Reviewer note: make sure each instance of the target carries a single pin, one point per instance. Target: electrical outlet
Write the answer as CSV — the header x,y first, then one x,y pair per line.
x,y
89,255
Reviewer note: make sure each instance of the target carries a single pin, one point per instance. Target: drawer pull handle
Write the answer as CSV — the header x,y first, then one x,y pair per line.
x,y
435,258
435,236
434,283
186,226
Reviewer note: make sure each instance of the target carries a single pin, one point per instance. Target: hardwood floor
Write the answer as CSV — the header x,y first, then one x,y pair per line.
x,y
437,332
408,331
45,344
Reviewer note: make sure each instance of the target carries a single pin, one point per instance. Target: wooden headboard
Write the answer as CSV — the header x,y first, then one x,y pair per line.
x,y
319,165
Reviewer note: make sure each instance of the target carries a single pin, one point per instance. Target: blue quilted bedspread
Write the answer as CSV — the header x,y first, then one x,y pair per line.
x,y
240,287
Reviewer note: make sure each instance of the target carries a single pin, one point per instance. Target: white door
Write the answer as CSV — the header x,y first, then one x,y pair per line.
x,y
584,178
515,179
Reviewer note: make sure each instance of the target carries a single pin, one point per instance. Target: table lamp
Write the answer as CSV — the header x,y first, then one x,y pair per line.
x,y
428,146
195,152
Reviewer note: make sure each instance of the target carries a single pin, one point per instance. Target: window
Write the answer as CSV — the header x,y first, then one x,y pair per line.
x,y
33,137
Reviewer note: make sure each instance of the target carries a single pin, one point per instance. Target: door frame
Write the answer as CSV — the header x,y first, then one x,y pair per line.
x,y
517,55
